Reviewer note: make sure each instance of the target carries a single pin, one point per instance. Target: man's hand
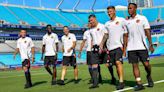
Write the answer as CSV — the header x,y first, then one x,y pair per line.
x,y
151,49
33,60
69,50
14,56
79,55
41,59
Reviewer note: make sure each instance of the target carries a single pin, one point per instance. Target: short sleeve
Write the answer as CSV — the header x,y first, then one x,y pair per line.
x,y
56,38
85,35
31,43
73,37
43,41
124,25
104,29
18,45
146,24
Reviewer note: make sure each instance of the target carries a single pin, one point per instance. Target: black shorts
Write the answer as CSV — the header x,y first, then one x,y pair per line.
x,y
116,55
26,63
69,60
138,55
50,60
89,57
95,58
103,57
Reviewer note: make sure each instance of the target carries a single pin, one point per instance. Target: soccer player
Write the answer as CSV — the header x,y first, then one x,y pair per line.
x,y
116,30
88,41
25,47
87,38
69,57
139,28
50,49
97,32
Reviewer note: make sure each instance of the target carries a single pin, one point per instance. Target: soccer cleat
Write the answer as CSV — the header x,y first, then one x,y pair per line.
x,y
90,81
76,81
139,87
150,81
53,82
61,82
93,86
121,85
27,86
113,81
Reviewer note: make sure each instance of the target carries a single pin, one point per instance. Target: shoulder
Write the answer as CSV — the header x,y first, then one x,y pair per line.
x,y
107,23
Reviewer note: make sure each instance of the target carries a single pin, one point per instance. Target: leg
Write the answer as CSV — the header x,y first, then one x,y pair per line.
x,y
95,76
76,72
28,77
90,72
46,64
99,71
148,70
110,68
64,69
119,67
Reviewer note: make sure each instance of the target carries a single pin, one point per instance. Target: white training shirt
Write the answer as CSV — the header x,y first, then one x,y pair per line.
x,y
67,42
116,29
24,45
50,44
87,37
97,33
137,38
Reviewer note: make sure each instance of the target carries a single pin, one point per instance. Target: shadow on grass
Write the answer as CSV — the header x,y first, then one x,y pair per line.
x,y
73,80
39,83
158,65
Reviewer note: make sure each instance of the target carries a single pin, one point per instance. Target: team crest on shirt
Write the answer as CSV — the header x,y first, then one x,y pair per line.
x,y
52,37
98,29
117,22
137,21
25,41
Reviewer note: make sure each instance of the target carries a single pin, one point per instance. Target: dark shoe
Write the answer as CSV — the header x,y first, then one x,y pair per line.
x,y
27,86
139,87
53,82
76,81
61,82
90,81
113,81
121,85
93,86
150,81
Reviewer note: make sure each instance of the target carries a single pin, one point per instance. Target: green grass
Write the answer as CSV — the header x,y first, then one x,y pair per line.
x,y
13,81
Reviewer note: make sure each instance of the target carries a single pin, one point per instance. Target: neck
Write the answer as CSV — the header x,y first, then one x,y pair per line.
x,y
112,18
133,15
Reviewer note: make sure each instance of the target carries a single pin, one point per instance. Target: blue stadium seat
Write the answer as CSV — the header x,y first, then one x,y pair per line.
x,y
83,17
56,17
161,39
151,11
40,16
72,18
23,15
7,16
162,13
159,50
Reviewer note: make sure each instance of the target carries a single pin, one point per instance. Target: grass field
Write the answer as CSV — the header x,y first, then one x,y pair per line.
x,y
13,81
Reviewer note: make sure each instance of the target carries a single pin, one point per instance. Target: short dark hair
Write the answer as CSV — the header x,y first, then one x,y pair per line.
x,y
132,4
49,26
110,7
92,15
66,27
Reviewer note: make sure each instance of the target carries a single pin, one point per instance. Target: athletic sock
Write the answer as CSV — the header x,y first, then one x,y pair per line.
x,y
95,76
48,70
99,73
110,68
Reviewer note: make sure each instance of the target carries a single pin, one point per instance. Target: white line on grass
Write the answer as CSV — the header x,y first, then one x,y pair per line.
x,y
125,89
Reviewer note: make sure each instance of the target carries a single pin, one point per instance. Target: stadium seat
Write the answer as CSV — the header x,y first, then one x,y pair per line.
x,y
161,39
151,11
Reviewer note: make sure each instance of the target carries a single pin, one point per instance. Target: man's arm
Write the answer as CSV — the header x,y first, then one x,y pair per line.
x,y
81,47
148,34
73,46
33,53
43,50
57,47
105,37
125,40
16,52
